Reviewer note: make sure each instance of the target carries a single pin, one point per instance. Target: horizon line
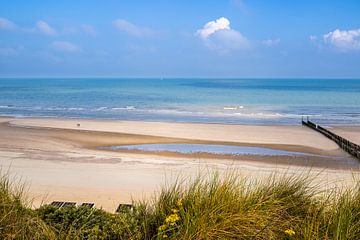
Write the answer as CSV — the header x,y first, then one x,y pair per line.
x,y
184,77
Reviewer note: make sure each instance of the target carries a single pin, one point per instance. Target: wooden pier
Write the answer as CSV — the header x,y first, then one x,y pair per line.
x,y
345,144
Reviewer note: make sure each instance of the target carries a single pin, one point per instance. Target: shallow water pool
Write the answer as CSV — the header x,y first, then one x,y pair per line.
x,y
209,148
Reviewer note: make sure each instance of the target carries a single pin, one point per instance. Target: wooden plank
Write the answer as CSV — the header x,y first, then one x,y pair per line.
x,y
58,204
124,207
69,204
89,205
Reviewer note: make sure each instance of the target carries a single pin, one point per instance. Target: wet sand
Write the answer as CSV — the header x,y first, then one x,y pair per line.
x,y
249,134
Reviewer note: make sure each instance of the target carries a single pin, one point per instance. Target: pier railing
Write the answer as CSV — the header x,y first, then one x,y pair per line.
x,y
345,144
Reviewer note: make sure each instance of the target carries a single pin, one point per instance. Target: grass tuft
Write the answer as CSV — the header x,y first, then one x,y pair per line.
x,y
209,207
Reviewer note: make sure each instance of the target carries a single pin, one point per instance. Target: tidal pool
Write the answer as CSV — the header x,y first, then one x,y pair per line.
x,y
208,148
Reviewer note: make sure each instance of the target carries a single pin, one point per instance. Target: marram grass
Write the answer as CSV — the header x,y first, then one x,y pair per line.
x,y
17,221
209,207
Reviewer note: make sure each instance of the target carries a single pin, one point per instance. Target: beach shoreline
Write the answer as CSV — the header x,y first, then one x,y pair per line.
x,y
235,133
62,161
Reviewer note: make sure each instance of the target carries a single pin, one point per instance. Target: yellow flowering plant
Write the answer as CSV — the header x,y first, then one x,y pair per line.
x,y
170,222
290,233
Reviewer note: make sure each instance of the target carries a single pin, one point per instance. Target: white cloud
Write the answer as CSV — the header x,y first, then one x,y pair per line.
x,y
64,46
45,28
7,24
343,39
218,35
132,29
213,26
270,42
313,38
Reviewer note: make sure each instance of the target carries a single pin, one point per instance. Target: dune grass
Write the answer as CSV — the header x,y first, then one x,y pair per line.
x,y
209,207
280,207
17,220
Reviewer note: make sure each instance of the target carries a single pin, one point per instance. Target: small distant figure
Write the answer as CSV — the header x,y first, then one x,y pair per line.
x,y
78,125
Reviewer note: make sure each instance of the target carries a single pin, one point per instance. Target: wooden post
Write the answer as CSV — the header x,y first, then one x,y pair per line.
x,y
343,143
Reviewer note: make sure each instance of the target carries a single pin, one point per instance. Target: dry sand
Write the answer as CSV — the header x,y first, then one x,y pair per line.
x,y
61,161
352,133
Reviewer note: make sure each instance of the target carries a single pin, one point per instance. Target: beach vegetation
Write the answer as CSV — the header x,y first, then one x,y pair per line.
x,y
208,207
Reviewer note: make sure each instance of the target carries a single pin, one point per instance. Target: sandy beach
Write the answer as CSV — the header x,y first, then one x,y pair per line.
x,y
349,132
63,161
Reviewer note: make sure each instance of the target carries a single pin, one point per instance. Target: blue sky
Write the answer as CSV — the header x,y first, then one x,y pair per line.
x,y
224,38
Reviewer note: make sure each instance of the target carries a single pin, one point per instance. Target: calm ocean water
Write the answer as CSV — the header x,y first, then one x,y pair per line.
x,y
246,101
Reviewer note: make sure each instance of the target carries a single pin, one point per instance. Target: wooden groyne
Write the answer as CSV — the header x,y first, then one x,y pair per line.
x,y
345,144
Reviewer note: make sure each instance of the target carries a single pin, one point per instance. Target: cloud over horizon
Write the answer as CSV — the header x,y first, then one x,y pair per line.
x,y
6,24
218,35
64,46
132,29
213,26
89,29
270,42
44,28
184,38
343,39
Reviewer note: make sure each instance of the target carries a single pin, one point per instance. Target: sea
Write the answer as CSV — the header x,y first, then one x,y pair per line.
x,y
206,100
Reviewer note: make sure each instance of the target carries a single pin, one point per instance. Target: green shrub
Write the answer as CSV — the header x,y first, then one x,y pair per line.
x,y
86,223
